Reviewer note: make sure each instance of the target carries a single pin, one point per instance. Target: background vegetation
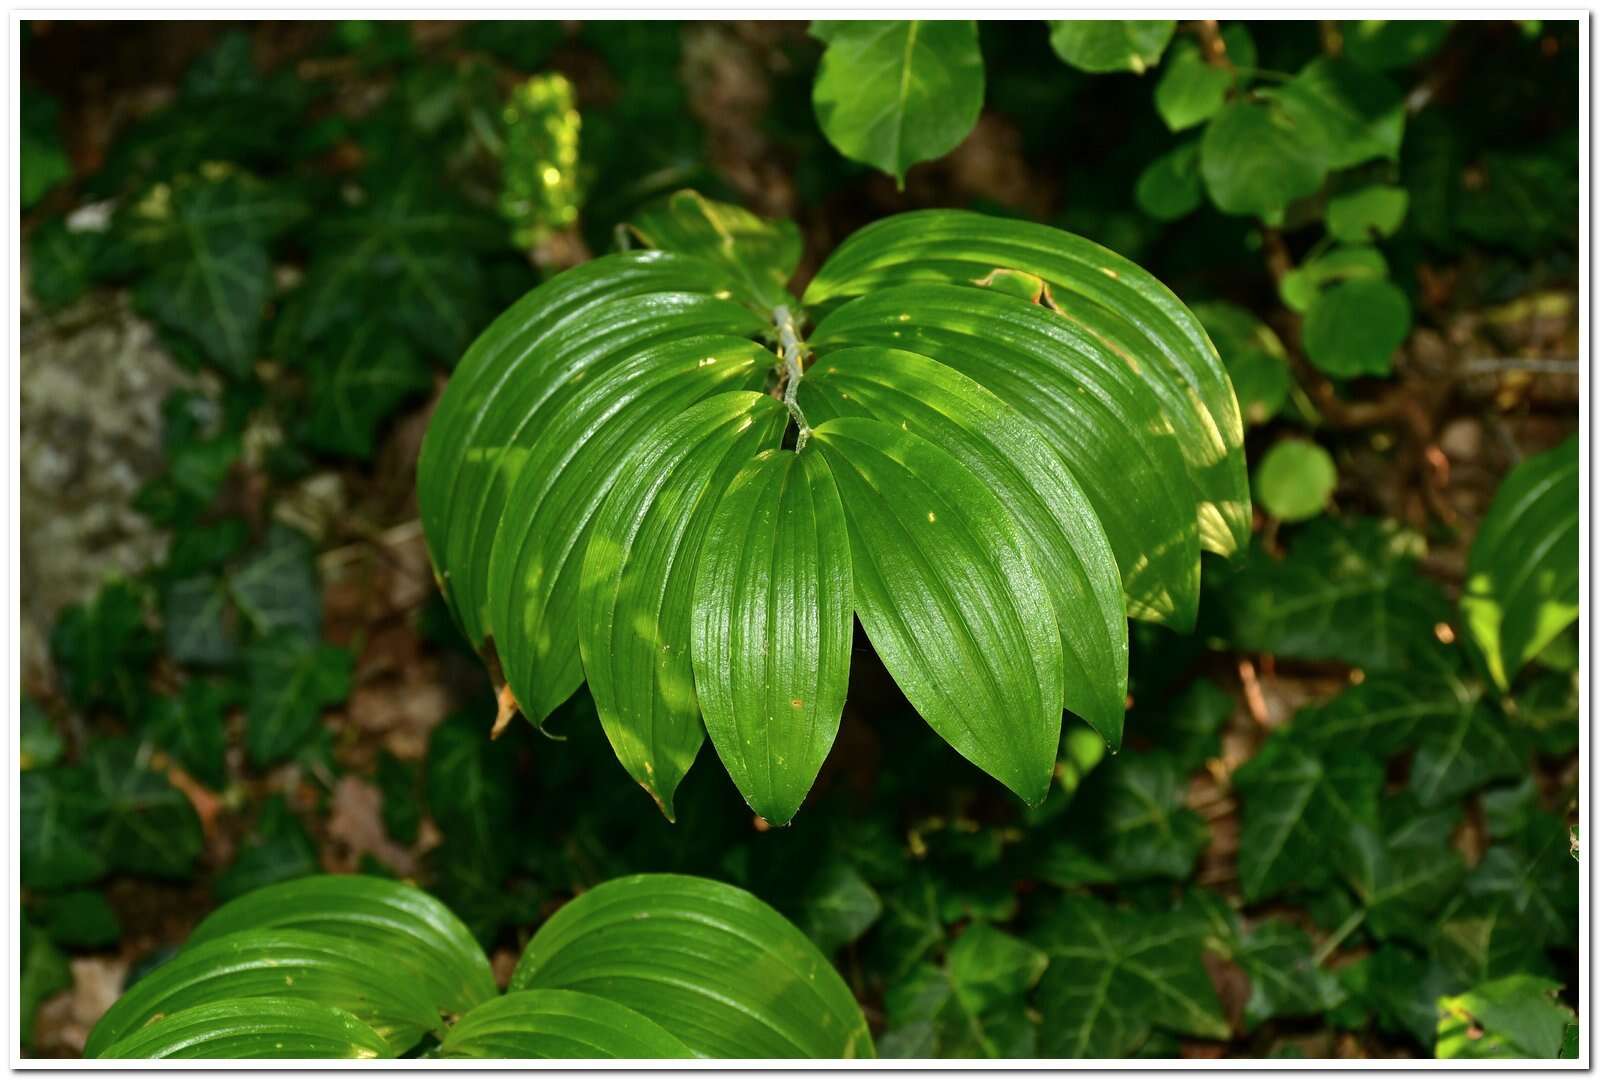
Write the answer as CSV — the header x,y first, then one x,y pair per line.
x,y
254,252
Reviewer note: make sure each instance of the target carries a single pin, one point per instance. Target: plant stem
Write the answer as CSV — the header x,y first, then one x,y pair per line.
x,y
790,351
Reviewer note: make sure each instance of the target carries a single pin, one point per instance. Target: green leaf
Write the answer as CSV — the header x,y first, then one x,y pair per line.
x,y
1284,977
62,262
1404,873
1100,46
972,1005
1169,187
891,93
1484,937
1257,158
259,1027
41,157
469,784
1401,988
1522,571
1102,309
1115,975
316,968
1473,748
946,592
1064,543
756,987
1132,815
1387,713
40,744
102,649
772,627
56,808
521,395
143,824
761,255
1385,44
1301,286
558,1024
1514,1017
1187,726
542,181
356,380
636,603
276,586
191,728
1361,216
838,907
1354,328
1348,591
205,238
1295,479
405,925
291,681
277,849
44,973
1352,112
1534,871
1192,91
1256,361
1299,806
83,919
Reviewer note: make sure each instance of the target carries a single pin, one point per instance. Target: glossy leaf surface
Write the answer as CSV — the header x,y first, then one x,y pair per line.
x,y
313,967
1031,479
257,1027
773,624
1522,571
713,965
407,925
558,1024
950,599
1105,45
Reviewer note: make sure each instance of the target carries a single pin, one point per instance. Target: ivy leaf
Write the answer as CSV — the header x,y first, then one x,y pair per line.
x,y
1388,712
1257,158
1298,807
891,93
1484,937
1354,328
838,907
82,919
1401,988
469,785
41,745
276,587
44,973
357,377
102,649
144,825
1354,113
291,681
1403,875
190,727
1132,813
1475,747
1295,479
62,262
1534,871
56,808
773,626
1348,591
278,849
946,593
1100,46
558,1024
1116,975
1284,977
758,986
1514,1017
1187,725
973,1002
1522,571
205,239
1359,217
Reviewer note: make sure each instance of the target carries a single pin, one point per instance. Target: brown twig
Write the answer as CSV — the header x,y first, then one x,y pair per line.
x,y
1212,47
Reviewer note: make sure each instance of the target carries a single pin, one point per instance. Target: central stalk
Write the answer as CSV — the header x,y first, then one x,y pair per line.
x,y
790,348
